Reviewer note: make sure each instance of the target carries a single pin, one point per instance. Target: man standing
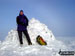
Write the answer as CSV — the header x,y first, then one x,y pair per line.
x,y
22,23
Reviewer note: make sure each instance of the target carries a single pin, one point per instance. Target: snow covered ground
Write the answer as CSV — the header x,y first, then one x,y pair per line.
x,y
11,47
68,41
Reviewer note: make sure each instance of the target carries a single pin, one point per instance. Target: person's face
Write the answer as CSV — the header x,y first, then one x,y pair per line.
x,y
21,13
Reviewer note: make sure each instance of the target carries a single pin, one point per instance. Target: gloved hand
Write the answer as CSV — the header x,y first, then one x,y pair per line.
x,y
24,24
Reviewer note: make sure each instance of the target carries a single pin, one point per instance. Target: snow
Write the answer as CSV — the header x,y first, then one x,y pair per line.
x,y
11,47
68,41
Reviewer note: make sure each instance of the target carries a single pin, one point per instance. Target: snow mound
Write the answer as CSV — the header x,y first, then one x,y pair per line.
x,y
10,46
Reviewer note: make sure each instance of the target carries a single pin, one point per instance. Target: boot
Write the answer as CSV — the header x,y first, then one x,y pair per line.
x,y
29,43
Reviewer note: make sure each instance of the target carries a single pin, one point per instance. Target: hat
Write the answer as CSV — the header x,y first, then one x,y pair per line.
x,y
21,10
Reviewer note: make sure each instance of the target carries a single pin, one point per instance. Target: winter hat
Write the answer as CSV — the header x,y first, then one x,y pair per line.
x,y
21,10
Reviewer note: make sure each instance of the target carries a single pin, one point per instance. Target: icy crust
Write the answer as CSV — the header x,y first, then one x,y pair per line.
x,y
10,46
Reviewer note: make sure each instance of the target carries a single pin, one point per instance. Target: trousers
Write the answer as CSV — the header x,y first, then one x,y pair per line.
x,y
26,34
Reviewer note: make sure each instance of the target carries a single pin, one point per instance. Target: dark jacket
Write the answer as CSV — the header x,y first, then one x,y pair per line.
x,y
22,22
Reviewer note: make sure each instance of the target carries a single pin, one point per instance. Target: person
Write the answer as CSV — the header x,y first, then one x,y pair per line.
x,y
22,23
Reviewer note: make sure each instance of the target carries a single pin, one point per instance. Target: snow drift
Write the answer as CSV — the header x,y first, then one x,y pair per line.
x,y
10,46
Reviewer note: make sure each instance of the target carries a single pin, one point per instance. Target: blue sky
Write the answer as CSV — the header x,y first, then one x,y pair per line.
x,y
58,15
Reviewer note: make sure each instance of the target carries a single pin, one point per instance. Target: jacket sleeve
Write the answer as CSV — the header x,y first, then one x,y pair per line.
x,y
26,21
18,21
